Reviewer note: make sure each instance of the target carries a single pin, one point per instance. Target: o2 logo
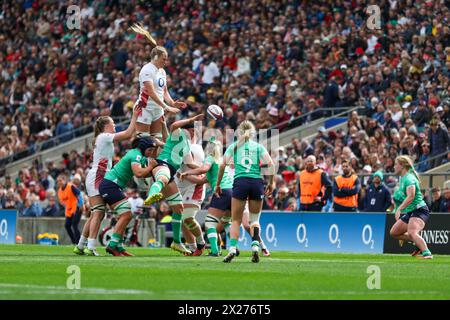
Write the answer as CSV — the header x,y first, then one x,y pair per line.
x,y
4,229
333,235
366,236
161,82
301,235
270,234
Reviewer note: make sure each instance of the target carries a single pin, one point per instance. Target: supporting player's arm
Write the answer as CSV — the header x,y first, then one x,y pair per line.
x,y
150,90
194,172
181,123
140,172
125,135
197,179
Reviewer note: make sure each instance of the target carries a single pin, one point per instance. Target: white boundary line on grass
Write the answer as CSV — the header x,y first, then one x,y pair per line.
x,y
63,290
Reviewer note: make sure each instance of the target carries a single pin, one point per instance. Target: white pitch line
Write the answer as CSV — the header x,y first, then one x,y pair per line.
x,y
64,290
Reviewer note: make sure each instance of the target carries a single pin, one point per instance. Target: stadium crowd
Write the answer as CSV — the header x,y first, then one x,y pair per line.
x,y
277,63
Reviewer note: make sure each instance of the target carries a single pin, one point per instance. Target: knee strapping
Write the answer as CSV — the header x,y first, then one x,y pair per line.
x,y
192,225
99,208
122,208
175,199
254,218
189,213
211,222
142,135
157,135
163,175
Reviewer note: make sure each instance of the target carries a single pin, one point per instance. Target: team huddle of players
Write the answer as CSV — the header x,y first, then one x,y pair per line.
x,y
180,168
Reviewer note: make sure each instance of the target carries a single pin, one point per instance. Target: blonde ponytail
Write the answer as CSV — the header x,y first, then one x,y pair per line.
x,y
407,163
245,132
215,150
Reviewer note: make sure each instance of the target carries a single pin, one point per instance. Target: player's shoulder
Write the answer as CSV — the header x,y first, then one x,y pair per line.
x,y
105,137
149,67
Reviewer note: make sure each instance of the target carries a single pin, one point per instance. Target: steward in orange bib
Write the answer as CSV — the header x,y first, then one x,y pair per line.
x,y
345,189
314,187
68,197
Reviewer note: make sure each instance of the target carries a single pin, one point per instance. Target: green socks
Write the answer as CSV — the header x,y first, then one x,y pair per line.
x,y
233,245
115,240
211,233
176,226
426,252
156,188
255,245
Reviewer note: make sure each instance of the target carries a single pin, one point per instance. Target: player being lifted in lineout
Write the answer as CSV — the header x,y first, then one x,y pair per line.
x,y
154,97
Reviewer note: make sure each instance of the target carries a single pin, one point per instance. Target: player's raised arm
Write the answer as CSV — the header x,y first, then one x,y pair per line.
x,y
177,104
128,133
182,123
150,90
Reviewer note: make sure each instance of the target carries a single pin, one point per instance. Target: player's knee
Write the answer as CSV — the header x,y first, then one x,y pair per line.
x,y
163,175
98,211
175,201
211,222
394,232
123,208
253,219
189,214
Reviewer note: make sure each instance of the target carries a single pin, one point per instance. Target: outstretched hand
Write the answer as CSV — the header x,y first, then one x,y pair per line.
x,y
199,117
180,104
172,110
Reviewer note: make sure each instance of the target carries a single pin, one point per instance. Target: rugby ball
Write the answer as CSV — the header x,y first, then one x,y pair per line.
x,y
215,112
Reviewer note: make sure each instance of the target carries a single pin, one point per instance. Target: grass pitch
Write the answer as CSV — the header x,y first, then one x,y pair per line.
x,y
40,272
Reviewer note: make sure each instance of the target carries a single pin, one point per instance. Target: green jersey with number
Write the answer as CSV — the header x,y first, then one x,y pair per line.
x,y
122,173
177,146
213,173
406,181
246,159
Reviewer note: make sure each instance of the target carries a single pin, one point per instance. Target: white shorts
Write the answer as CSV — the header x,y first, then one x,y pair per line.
x,y
194,194
93,179
149,115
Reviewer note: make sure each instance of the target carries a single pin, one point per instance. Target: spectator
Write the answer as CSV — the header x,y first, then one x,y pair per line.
x,y
32,207
52,208
311,182
423,162
64,129
68,197
438,203
377,197
136,201
439,142
282,199
345,189
2,196
446,202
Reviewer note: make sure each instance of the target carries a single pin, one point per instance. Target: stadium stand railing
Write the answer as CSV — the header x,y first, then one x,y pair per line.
x,y
53,149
